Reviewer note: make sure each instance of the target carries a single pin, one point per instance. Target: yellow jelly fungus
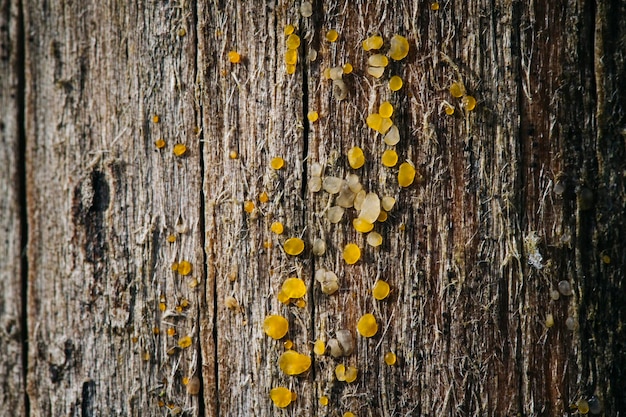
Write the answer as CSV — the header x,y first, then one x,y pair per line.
x,y
294,363
361,225
395,83
390,358
449,110
389,158
159,143
289,30
373,42
347,68
275,326
406,174
184,342
234,57
324,400
171,331
174,266
294,246
294,287
184,303
291,69
376,72
293,41
171,238
268,244
319,348
469,103
283,298
385,125
583,406
399,48
184,268
340,372
367,325
233,154
356,158
248,206
180,149
374,239
312,116
380,290
156,118
300,303
351,374
264,197
291,56
374,121
326,73
162,306
549,320
393,136
434,6
332,35
351,253
382,217
288,344
277,163
277,228
606,259
185,380
457,89
385,109
378,60
349,414
156,330
281,397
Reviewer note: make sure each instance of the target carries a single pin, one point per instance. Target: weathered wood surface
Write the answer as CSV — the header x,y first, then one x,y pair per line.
x,y
542,155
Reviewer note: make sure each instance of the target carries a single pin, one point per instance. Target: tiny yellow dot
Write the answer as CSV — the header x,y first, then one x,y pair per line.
x,y
156,118
332,35
324,400
233,154
289,30
347,68
395,83
277,227
248,206
264,197
434,6
390,358
180,149
234,57
277,163
159,143
312,116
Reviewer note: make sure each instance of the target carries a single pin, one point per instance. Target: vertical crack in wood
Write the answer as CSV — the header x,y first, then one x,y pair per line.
x,y
20,71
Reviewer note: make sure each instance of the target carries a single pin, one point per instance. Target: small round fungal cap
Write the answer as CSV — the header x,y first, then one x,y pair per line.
x,y
434,6
294,363
340,372
289,30
361,225
319,247
374,239
372,43
356,158
315,184
395,83
234,57
349,414
389,158
334,214
291,56
565,288
353,183
294,287
281,396
312,55
449,109
291,69
351,373
184,268
376,72
277,163
399,48
367,325
351,253
380,290
306,9
583,406
390,358
180,149
324,400
294,246
370,208
469,103
293,41
193,385
570,323
347,68
319,348
374,121
457,89
549,320
277,228
385,109
159,143
332,35
312,116
378,60
316,169
387,203
406,174
393,136
332,185
358,199
275,326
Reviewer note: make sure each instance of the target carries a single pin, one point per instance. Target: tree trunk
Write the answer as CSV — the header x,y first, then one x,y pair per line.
x,y
516,217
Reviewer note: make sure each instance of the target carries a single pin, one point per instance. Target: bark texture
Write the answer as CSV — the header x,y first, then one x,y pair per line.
x,y
511,199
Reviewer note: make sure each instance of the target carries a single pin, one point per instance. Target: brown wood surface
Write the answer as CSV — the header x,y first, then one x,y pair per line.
x,y
85,187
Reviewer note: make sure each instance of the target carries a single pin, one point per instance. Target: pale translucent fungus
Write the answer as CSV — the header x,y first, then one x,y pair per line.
x,y
351,253
294,287
549,320
565,288
376,72
234,57
275,326
340,90
389,158
374,121
361,225
328,281
324,400
347,68
395,83
353,183
356,158
180,149
277,162
289,30
346,196
332,35
312,116
319,247
293,41
351,373
335,348
332,185
319,348
315,184
277,228
367,325
457,89
390,358
554,295
378,60
326,73
358,199
595,406
306,9
281,397
294,246
406,174
291,56
399,48
346,342
184,268
312,55
294,363
316,169
393,136
385,125
374,239
336,73
372,43
570,323
370,209
387,203
469,103
334,214
380,290
385,109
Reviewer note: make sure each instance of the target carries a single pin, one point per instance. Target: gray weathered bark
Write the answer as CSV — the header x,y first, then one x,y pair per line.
x,y
541,155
